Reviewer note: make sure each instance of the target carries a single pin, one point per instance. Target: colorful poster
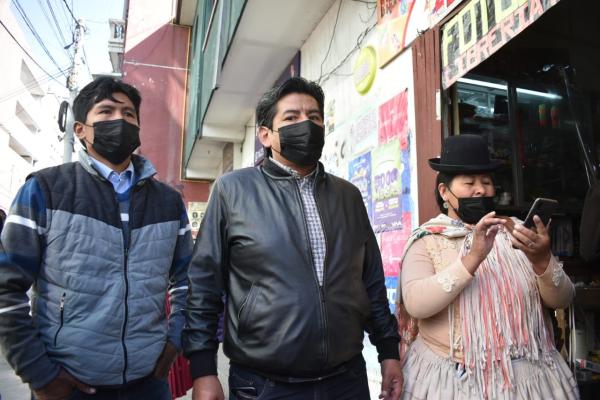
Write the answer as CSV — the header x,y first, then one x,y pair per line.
x,y
363,132
393,18
392,247
400,22
393,120
359,173
386,186
438,9
391,286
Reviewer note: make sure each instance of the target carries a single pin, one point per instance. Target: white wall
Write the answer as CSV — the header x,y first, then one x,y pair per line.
x,y
344,106
40,147
247,147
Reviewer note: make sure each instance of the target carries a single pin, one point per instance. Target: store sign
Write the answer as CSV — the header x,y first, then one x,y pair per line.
x,y
195,212
365,70
481,28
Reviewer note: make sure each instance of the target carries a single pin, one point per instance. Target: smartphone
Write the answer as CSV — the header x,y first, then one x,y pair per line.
x,y
543,208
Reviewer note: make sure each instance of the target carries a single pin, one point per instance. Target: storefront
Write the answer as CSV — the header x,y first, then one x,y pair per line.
x,y
523,74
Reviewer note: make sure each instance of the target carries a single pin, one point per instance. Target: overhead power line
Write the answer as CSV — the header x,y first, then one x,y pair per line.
x,y
64,15
34,32
71,12
62,35
56,27
27,53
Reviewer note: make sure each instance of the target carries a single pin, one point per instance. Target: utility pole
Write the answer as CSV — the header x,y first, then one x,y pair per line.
x,y
73,86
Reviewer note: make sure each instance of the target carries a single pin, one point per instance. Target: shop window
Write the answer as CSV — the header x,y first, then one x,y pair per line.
x,y
482,109
548,149
532,131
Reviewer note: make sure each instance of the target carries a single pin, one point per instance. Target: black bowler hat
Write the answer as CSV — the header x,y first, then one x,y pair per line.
x,y
464,154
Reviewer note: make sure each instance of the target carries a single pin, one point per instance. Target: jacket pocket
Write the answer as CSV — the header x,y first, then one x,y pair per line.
x,y
62,316
246,309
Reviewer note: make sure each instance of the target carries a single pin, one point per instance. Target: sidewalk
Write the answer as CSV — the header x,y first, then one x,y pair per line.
x,y
11,387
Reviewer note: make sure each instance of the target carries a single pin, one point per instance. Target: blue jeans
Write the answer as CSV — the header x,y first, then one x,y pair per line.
x,y
149,388
349,385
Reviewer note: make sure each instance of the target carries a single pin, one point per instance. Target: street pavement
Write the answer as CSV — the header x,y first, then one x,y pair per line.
x,y
11,387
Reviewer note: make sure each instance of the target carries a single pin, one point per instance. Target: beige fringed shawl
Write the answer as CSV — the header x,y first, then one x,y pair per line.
x,y
500,312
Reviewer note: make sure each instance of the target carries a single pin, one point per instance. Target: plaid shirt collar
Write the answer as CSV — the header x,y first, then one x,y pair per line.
x,y
295,173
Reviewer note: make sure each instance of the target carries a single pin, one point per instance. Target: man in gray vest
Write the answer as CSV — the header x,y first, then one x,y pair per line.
x,y
101,243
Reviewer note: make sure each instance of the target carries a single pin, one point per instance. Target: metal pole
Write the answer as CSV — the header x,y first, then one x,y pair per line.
x,y
73,86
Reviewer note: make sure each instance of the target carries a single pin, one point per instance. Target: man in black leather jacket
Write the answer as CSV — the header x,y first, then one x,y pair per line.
x,y
292,248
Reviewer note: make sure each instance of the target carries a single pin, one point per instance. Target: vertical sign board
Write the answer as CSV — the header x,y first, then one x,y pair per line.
x,y
196,211
481,28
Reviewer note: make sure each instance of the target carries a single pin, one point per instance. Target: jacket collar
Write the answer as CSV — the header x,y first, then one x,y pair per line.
x,y
143,167
275,171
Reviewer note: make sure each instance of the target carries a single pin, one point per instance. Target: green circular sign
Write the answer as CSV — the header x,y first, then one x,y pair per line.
x,y
365,70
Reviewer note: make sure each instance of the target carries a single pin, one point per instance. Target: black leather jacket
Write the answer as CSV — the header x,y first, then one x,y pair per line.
x,y
253,245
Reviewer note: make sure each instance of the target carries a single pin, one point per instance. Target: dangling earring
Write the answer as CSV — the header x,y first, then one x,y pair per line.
x,y
445,205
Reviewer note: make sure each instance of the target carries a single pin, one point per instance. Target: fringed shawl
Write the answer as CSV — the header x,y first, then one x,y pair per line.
x,y
501,311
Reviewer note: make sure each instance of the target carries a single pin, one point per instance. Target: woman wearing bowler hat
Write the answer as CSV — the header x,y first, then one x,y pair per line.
x,y
475,286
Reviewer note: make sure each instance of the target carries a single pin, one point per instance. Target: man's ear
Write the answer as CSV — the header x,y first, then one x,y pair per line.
x,y
78,129
264,137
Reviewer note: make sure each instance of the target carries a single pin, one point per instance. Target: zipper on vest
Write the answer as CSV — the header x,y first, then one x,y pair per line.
x,y
62,316
316,280
126,255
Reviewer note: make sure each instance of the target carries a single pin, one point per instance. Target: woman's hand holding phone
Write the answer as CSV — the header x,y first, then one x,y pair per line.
x,y
535,243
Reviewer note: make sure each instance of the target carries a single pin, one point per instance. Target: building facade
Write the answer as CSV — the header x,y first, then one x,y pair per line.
x,y
399,76
29,103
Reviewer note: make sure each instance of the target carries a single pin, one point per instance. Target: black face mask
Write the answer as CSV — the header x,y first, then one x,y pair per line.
x,y
116,139
302,143
472,209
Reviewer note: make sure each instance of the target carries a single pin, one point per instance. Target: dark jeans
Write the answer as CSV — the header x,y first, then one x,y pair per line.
x,y
149,388
350,385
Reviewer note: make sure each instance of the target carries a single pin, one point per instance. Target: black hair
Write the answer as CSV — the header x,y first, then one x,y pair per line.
x,y
267,105
99,89
2,219
102,88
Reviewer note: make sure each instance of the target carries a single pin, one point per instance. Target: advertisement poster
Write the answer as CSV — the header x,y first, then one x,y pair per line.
x,y
391,285
336,152
364,132
393,120
196,211
359,173
386,186
392,247
393,18
438,9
